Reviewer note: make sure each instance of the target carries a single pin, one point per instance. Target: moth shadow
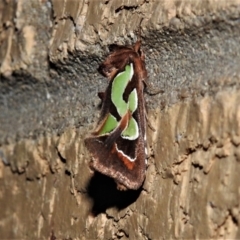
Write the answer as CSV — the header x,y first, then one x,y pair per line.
x,y
104,194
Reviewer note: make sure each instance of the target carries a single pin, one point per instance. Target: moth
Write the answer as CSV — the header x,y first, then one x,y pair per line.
x,y
118,146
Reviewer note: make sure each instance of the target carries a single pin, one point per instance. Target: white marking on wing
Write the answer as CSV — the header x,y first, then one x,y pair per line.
x,y
134,137
129,158
131,72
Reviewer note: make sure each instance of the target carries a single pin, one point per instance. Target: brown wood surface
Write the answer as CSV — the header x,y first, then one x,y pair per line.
x,y
49,54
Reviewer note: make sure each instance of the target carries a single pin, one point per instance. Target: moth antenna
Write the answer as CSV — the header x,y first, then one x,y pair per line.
x,y
139,30
138,43
151,90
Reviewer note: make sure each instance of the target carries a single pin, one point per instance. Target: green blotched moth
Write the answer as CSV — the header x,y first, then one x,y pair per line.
x,y
118,144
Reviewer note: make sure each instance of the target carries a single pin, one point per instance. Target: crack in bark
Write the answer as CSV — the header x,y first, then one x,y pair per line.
x,y
124,7
128,8
68,17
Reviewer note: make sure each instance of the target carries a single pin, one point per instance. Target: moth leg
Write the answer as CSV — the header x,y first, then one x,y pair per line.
x,y
101,95
149,124
120,186
148,121
150,90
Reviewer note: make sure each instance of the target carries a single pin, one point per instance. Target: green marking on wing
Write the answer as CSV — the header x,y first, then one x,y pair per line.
x,y
133,100
118,87
110,124
131,132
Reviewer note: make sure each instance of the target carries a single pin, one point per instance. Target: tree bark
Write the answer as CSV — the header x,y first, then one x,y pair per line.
x,y
49,55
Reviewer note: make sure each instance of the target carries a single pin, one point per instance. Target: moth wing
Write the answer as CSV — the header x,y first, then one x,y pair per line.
x,y
113,159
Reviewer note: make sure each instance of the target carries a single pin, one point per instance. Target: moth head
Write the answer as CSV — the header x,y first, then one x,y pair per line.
x,y
114,47
107,70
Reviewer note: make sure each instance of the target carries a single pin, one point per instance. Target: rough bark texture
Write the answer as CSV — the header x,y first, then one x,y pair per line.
x,y
49,54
